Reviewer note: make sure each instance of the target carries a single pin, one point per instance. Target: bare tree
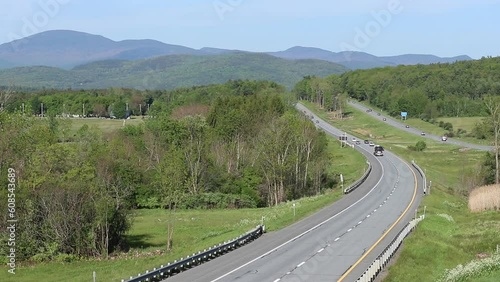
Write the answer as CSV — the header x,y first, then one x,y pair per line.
x,y
493,106
5,95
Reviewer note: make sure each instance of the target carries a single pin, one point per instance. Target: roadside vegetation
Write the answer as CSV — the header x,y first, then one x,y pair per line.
x,y
485,198
451,243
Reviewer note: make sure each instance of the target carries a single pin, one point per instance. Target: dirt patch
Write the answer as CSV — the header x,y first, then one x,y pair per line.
x,y
337,116
363,132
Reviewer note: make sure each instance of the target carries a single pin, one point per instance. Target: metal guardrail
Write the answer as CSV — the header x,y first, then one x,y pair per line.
x,y
196,259
359,181
381,261
421,172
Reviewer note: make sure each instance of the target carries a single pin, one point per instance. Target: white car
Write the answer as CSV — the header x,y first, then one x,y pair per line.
x,y
444,138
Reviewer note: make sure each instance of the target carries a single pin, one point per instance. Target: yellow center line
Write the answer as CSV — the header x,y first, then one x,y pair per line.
x,y
387,232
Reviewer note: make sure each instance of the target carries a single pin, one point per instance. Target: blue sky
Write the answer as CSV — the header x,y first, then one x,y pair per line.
x,y
379,27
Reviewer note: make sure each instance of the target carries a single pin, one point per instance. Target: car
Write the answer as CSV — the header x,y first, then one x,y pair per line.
x,y
371,144
354,139
358,142
384,119
378,151
367,142
407,126
444,138
423,133
317,121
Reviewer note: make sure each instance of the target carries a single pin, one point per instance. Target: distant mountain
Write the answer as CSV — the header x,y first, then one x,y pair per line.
x,y
361,60
168,72
67,49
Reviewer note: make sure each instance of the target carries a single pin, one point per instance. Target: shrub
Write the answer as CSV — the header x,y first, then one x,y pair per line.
x,y
419,146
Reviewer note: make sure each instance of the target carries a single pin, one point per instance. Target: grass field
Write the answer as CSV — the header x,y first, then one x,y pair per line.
x,y
466,123
195,230
106,125
450,235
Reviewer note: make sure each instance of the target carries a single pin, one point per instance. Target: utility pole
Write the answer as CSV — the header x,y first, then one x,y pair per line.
x,y
83,110
41,109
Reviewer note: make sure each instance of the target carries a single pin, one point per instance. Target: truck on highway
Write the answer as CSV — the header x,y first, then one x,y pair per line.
x,y
378,150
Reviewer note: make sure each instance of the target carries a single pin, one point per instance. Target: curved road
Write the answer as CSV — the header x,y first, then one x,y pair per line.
x,y
336,244
396,123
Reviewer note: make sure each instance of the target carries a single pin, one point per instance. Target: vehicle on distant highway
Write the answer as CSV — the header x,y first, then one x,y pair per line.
x,y
423,133
378,150
444,138
384,119
371,143
367,141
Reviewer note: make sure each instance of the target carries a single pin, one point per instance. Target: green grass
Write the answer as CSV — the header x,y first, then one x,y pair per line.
x,y
194,230
437,244
106,125
466,123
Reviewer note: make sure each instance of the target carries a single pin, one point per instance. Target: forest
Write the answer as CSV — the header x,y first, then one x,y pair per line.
x,y
423,91
236,145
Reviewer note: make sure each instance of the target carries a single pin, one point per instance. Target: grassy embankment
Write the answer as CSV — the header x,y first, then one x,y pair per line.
x,y
195,229
450,235
466,124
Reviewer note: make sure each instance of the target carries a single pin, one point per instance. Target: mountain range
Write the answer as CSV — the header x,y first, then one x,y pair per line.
x,y
65,58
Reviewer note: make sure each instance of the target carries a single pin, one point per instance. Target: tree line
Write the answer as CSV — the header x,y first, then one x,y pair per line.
x,y
424,91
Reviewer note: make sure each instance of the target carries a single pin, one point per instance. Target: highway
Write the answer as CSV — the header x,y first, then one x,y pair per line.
x,y
335,244
399,124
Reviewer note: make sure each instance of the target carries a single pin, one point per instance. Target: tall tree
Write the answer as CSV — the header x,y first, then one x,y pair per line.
x,y
5,96
493,106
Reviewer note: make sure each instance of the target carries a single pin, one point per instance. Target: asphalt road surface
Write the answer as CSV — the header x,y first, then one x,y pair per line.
x,y
337,243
